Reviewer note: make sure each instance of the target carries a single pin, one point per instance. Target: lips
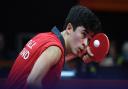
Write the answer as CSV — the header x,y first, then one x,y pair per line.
x,y
79,52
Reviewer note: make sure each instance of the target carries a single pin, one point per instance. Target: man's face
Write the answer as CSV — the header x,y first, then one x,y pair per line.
x,y
77,40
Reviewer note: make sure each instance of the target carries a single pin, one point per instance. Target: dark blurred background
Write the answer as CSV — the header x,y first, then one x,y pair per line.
x,y
26,19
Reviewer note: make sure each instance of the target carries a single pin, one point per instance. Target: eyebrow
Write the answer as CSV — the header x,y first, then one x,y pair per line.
x,y
85,30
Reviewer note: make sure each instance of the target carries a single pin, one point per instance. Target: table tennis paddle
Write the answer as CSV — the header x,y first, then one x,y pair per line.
x,y
99,46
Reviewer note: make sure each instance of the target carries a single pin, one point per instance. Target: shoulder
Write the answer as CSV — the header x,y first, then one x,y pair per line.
x,y
54,50
52,54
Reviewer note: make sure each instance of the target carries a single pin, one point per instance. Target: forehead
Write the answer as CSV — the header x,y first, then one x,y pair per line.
x,y
88,33
82,28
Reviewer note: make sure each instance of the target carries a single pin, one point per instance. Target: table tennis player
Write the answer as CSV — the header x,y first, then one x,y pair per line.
x,y
39,64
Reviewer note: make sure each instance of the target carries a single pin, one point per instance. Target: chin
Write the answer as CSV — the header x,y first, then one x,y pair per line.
x,y
76,54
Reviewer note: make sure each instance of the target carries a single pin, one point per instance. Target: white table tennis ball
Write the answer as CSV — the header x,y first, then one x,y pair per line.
x,y
96,43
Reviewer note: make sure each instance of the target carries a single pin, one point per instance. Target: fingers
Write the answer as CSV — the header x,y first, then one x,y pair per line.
x,y
89,52
86,59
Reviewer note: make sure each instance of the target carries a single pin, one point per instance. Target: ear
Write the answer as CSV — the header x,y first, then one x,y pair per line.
x,y
69,28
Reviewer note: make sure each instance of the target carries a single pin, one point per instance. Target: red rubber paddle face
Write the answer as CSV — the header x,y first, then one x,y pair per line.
x,y
99,46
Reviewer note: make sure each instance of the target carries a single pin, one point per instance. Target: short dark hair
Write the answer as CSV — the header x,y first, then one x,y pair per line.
x,y
82,16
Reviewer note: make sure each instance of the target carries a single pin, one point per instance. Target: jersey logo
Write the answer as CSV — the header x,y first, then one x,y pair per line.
x,y
25,53
31,43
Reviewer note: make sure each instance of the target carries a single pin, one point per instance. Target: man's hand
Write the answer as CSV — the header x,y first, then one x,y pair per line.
x,y
87,57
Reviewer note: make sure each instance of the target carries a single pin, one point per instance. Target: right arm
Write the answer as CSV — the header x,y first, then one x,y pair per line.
x,y
45,61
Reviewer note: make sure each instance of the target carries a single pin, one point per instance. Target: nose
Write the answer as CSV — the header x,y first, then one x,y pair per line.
x,y
82,47
85,42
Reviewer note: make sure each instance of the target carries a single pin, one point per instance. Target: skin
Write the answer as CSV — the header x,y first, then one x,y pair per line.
x,y
53,54
77,37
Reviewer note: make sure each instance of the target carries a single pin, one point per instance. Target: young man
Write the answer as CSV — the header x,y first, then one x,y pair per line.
x,y
39,64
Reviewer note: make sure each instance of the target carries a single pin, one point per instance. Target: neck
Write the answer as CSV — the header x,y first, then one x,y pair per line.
x,y
67,47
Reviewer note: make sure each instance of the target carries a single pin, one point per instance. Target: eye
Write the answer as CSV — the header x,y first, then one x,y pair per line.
x,y
83,33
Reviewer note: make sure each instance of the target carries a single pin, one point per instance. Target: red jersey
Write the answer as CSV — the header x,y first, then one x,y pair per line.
x,y
28,56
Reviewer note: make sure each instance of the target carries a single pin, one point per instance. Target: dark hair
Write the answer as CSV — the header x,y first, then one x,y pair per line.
x,y
82,16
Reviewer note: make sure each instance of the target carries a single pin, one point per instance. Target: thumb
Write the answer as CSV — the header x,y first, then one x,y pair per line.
x,y
89,51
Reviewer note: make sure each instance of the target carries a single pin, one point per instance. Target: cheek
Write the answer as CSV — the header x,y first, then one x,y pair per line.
x,y
76,40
